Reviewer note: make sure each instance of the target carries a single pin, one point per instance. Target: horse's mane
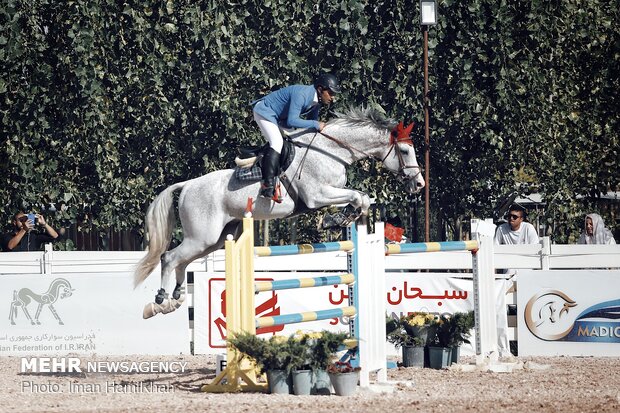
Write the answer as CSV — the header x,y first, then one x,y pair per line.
x,y
361,116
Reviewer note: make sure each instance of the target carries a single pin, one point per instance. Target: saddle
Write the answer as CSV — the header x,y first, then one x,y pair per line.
x,y
248,162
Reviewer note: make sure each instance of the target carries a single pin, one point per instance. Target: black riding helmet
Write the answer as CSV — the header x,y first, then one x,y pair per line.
x,y
327,81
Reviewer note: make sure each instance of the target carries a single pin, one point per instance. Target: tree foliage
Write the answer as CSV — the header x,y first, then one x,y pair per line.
x,y
105,103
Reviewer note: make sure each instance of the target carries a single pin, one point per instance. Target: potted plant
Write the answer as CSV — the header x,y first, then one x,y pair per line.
x,y
297,359
318,351
276,357
455,330
344,377
412,332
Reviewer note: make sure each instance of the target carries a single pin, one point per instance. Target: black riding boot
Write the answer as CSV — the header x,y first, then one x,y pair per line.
x,y
270,168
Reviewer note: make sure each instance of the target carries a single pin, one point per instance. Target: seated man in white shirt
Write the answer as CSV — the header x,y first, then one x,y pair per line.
x,y
516,230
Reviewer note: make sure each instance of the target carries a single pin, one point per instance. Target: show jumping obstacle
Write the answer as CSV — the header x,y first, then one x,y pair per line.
x,y
483,277
365,327
364,278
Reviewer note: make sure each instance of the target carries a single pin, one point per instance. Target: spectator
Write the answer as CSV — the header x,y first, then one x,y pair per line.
x,y
23,237
595,231
516,230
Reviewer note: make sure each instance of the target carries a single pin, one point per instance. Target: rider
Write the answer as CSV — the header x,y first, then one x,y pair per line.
x,y
285,107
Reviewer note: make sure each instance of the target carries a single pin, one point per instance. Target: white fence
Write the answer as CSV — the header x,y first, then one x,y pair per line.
x,y
542,256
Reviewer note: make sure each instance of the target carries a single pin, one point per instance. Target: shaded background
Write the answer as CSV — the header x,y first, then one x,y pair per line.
x,y
103,104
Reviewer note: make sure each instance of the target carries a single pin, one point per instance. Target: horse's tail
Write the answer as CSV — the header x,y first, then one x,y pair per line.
x,y
159,222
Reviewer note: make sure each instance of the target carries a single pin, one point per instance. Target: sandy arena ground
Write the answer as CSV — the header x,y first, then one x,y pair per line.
x,y
576,384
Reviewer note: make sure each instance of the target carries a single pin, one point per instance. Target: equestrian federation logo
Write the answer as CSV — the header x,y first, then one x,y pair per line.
x,y
58,289
551,316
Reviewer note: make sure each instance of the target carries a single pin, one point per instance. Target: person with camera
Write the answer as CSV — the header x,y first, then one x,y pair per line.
x,y
23,237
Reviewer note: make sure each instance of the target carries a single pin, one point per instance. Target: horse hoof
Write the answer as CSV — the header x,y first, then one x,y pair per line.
x,y
61,323
161,295
176,293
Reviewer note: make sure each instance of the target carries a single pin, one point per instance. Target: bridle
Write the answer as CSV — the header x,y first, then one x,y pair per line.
x,y
398,135
395,139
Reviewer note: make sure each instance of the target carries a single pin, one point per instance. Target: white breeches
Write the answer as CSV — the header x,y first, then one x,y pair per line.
x,y
270,131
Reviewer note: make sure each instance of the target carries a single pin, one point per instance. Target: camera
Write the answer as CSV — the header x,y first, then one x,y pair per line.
x,y
32,217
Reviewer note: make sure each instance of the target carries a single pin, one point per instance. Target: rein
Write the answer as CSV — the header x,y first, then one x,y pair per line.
x,y
396,136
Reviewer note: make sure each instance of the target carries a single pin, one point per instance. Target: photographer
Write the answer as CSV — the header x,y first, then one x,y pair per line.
x,y
23,238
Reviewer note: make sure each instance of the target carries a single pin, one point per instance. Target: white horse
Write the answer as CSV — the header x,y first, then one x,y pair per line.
x,y
213,205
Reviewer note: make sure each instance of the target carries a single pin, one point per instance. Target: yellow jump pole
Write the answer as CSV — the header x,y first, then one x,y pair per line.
x,y
239,375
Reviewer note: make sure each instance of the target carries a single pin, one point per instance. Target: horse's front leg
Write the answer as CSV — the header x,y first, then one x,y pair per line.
x,y
55,314
329,195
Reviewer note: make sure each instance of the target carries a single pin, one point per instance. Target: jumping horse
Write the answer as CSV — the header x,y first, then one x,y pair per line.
x,y
213,205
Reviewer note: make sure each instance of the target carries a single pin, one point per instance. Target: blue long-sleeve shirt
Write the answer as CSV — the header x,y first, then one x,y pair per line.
x,y
286,106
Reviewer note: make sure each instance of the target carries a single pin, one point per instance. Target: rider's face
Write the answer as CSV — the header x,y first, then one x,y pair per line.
x,y
326,96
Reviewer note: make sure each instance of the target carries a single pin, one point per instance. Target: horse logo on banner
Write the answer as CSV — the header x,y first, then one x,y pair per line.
x,y
59,288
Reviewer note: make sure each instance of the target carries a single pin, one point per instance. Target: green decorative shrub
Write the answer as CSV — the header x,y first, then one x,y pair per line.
x,y
454,330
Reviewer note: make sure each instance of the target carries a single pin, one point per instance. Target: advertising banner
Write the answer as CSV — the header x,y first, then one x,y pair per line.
x,y
98,313
404,292
571,313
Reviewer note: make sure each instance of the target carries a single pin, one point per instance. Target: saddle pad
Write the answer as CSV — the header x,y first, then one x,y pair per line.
x,y
253,173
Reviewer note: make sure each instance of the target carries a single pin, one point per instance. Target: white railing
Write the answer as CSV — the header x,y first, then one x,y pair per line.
x,y
541,256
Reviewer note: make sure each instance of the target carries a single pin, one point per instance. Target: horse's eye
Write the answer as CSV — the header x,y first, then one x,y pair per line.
x,y
404,151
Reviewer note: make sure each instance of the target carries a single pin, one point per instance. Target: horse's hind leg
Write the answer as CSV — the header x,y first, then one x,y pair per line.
x,y
171,260
180,256
13,312
177,260
231,228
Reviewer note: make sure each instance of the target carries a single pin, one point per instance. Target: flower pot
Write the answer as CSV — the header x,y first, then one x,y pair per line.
x,y
345,384
279,382
302,382
420,332
321,383
456,352
439,357
413,356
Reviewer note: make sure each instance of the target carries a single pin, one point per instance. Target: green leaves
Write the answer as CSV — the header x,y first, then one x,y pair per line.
x,y
104,105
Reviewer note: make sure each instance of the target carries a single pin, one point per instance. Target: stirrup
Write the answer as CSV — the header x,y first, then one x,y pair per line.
x,y
277,195
271,192
266,191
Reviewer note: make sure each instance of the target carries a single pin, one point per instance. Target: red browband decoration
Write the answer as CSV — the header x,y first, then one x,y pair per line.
x,y
400,134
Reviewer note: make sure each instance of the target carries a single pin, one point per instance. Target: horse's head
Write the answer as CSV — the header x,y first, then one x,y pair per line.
x,y
400,157
363,132
61,288
547,315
